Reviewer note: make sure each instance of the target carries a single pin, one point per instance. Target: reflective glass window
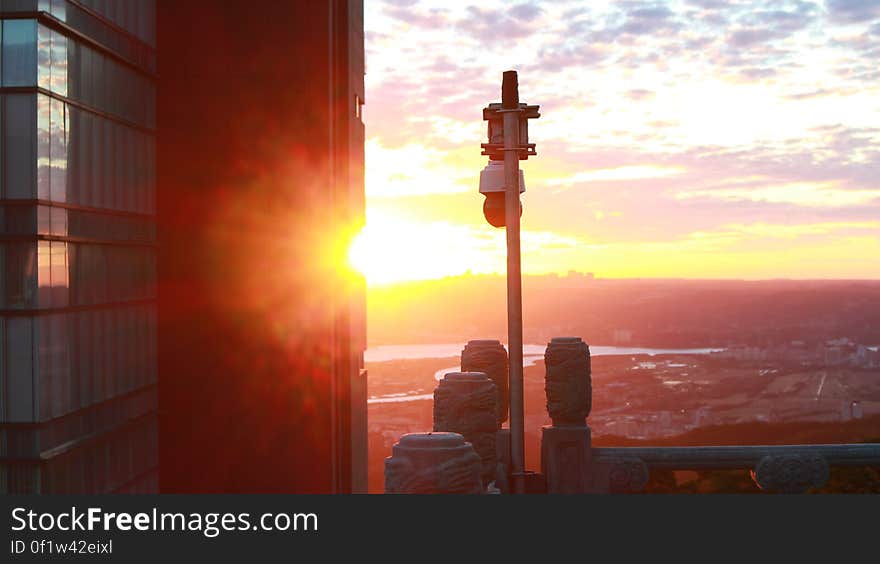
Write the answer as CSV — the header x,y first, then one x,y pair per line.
x,y
44,147
59,63
87,165
59,221
19,145
74,144
21,275
44,220
20,368
19,62
109,174
52,274
20,220
60,281
52,221
58,151
97,162
59,365
44,377
83,337
44,57
59,9
44,274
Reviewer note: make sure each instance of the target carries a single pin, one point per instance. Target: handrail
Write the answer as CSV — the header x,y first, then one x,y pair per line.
x,y
739,457
780,468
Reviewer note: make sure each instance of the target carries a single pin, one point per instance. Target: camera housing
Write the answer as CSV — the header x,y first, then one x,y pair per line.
x,y
492,186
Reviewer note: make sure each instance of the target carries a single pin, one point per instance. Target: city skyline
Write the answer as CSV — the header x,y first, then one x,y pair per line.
x,y
680,139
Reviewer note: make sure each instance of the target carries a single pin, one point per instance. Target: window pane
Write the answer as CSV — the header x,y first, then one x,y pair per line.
x,y
97,163
74,154
20,220
20,146
21,275
109,180
59,222
44,57
84,346
60,294
44,274
20,368
19,53
44,220
59,353
59,63
44,147
58,150
59,9
86,166
44,380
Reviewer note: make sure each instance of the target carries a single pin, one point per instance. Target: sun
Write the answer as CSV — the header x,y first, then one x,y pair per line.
x,y
358,253
383,255
393,249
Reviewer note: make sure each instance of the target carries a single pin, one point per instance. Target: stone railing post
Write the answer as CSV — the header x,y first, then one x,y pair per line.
x,y
466,403
566,449
433,463
490,357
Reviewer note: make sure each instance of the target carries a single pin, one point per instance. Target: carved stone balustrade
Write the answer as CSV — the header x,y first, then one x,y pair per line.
x,y
466,403
433,463
783,469
567,381
489,357
566,448
571,465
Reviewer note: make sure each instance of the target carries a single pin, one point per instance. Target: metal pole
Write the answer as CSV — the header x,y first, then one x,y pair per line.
x,y
510,107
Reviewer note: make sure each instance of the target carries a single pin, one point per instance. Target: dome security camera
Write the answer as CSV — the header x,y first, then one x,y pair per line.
x,y
492,186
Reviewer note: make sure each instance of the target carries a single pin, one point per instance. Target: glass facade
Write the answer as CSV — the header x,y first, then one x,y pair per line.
x,y
77,247
74,156
35,55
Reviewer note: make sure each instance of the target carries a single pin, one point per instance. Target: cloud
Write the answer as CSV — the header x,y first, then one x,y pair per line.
x,y
853,11
526,12
639,94
683,118
495,26
813,194
636,172
648,18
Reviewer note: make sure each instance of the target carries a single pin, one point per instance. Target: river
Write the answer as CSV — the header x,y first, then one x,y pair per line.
x,y
531,353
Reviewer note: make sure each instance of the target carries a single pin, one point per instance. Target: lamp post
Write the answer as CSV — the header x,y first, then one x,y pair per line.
x,y
509,142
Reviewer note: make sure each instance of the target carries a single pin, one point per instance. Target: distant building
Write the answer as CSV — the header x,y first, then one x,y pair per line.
x,y
866,357
855,410
833,356
621,336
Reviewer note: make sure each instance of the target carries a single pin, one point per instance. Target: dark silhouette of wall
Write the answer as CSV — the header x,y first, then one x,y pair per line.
x,y
260,175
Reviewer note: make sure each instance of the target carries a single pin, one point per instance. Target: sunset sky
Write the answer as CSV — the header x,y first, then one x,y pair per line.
x,y
699,139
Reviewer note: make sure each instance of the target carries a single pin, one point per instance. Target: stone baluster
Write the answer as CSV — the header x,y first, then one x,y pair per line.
x,y
466,403
433,463
566,449
489,357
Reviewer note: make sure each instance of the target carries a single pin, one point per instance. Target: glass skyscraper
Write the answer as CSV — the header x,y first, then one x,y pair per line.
x,y
78,337
178,183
